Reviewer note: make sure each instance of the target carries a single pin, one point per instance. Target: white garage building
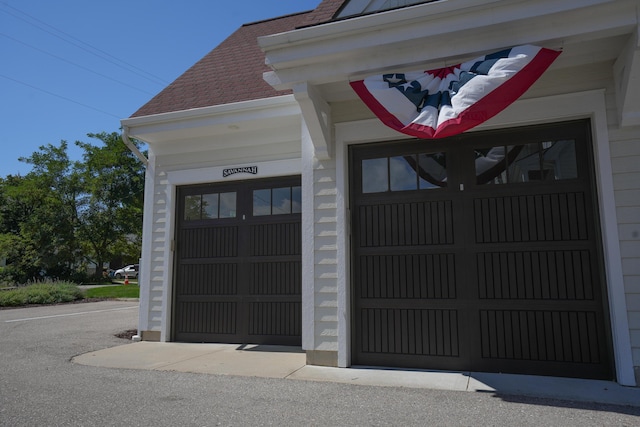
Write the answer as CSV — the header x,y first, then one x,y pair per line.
x,y
283,208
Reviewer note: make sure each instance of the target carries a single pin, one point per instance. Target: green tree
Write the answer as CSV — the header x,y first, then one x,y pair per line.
x,y
47,235
64,214
13,247
111,207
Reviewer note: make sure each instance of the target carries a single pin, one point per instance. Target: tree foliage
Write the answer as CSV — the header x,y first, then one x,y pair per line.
x,y
64,214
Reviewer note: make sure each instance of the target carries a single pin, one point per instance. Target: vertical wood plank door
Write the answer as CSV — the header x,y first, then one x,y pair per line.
x,y
480,253
238,254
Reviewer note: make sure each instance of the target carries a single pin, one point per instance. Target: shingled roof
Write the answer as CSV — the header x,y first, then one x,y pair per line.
x,y
325,12
232,72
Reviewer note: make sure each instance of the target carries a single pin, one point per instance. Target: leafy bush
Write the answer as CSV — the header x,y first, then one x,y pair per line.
x,y
11,298
41,293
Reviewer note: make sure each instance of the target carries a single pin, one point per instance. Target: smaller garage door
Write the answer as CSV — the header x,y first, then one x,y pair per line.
x,y
238,276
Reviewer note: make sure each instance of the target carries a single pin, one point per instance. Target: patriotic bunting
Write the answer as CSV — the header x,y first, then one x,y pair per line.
x,y
448,101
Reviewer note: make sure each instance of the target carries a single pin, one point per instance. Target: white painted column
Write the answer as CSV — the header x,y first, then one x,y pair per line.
x,y
144,279
308,237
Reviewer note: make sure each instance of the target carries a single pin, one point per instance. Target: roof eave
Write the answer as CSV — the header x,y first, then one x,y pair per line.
x,y
214,120
411,37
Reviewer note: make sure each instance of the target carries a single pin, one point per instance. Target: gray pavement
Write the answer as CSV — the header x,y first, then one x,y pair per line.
x,y
62,366
289,363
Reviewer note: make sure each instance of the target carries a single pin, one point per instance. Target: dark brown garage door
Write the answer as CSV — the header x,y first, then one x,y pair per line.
x,y
238,276
480,253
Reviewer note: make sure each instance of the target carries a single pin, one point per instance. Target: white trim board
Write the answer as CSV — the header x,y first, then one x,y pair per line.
x,y
215,174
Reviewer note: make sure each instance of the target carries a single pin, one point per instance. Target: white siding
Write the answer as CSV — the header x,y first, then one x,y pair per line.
x,y
186,158
155,271
325,256
625,162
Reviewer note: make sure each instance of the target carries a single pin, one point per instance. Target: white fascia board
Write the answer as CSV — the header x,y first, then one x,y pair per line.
x,y
337,30
441,32
214,120
401,25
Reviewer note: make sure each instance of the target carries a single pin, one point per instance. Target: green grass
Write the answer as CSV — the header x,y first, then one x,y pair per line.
x,y
41,293
122,291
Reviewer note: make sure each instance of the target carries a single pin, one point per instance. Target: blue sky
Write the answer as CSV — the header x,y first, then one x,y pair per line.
x,y
73,67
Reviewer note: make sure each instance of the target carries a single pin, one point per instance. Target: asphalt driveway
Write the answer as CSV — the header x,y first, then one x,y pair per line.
x,y
39,385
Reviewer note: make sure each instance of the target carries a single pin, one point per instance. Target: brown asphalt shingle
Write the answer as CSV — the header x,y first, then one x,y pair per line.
x,y
325,12
231,72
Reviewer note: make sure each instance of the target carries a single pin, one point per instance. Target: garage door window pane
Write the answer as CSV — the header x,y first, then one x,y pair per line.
x,y
539,161
560,157
526,166
491,165
432,170
210,206
262,202
227,205
192,207
296,199
402,172
375,175
281,201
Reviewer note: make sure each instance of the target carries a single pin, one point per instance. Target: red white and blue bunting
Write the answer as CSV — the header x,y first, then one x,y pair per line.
x,y
448,101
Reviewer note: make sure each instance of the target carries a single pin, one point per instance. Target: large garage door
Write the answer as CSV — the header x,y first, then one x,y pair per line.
x,y
238,250
481,253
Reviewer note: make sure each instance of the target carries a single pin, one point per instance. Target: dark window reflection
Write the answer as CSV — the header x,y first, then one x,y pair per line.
x,y
296,199
540,161
192,207
404,173
561,158
262,202
375,175
209,206
227,205
277,201
432,170
281,200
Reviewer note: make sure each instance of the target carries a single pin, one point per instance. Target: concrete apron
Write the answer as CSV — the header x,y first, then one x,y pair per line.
x,y
223,359
290,363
